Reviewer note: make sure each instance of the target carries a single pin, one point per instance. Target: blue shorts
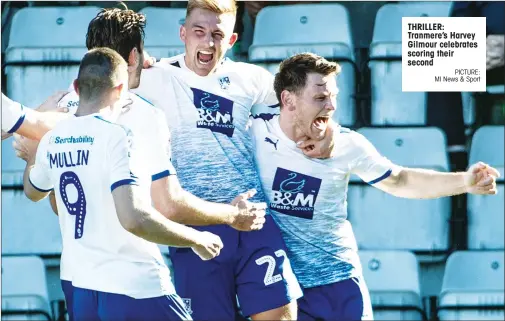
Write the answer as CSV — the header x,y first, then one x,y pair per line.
x,y
345,300
68,291
92,305
252,267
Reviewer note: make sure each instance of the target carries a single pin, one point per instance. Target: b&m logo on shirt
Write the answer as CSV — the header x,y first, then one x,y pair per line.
x,y
215,112
294,193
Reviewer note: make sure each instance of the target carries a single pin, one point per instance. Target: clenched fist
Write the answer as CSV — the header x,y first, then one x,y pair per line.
x,y
208,246
481,179
251,216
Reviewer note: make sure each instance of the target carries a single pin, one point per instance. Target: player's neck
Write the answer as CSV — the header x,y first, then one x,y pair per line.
x,y
289,128
86,109
190,67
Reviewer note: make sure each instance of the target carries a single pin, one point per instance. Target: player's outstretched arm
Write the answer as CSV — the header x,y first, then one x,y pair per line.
x,y
29,122
423,184
183,207
141,219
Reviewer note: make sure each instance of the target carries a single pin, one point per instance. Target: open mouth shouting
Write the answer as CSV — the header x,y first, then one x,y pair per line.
x,y
320,123
205,57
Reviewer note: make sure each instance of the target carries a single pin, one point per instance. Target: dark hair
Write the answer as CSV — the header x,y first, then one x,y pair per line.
x,y
292,75
101,69
118,29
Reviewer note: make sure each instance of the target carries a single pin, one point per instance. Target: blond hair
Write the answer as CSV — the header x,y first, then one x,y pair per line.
x,y
217,6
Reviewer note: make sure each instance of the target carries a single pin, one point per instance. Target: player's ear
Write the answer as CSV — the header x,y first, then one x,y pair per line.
x,y
287,100
233,39
182,33
116,92
134,60
119,89
76,87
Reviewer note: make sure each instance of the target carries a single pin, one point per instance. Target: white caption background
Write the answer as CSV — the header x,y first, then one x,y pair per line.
x,y
448,55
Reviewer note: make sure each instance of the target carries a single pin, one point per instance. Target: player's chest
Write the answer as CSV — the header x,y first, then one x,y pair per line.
x,y
284,169
219,105
300,189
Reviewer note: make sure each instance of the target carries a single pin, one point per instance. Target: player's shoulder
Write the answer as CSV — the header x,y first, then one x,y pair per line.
x,y
139,100
156,74
71,101
244,68
350,141
113,127
174,61
142,108
346,137
262,123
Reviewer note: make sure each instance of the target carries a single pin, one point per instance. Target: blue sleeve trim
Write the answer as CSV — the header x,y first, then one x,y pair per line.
x,y
105,120
128,181
275,106
19,122
166,173
386,175
264,116
126,129
147,101
39,189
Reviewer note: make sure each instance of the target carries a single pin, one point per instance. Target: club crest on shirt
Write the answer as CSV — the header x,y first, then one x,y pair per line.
x,y
294,193
224,82
215,112
187,305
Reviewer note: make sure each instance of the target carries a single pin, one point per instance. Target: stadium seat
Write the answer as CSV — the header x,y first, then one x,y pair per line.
x,y
162,38
162,31
44,57
473,286
323,29
405,224
485,212
24,289
41,58
497,89
392,278
391,106
31,228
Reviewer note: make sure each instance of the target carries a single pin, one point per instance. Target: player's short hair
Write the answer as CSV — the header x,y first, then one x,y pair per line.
x,y
217,6
118,29
293,71
101,69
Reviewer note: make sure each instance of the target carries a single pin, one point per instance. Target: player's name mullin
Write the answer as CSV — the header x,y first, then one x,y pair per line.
x,y
69,159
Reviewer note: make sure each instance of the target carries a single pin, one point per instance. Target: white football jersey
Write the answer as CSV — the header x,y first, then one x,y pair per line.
x,y
149,126
13,114
153,142
207,117
84,159
307,198
152,139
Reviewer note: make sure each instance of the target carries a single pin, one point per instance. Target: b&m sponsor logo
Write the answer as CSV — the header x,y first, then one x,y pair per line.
x,y
215,112
294,193
71,140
